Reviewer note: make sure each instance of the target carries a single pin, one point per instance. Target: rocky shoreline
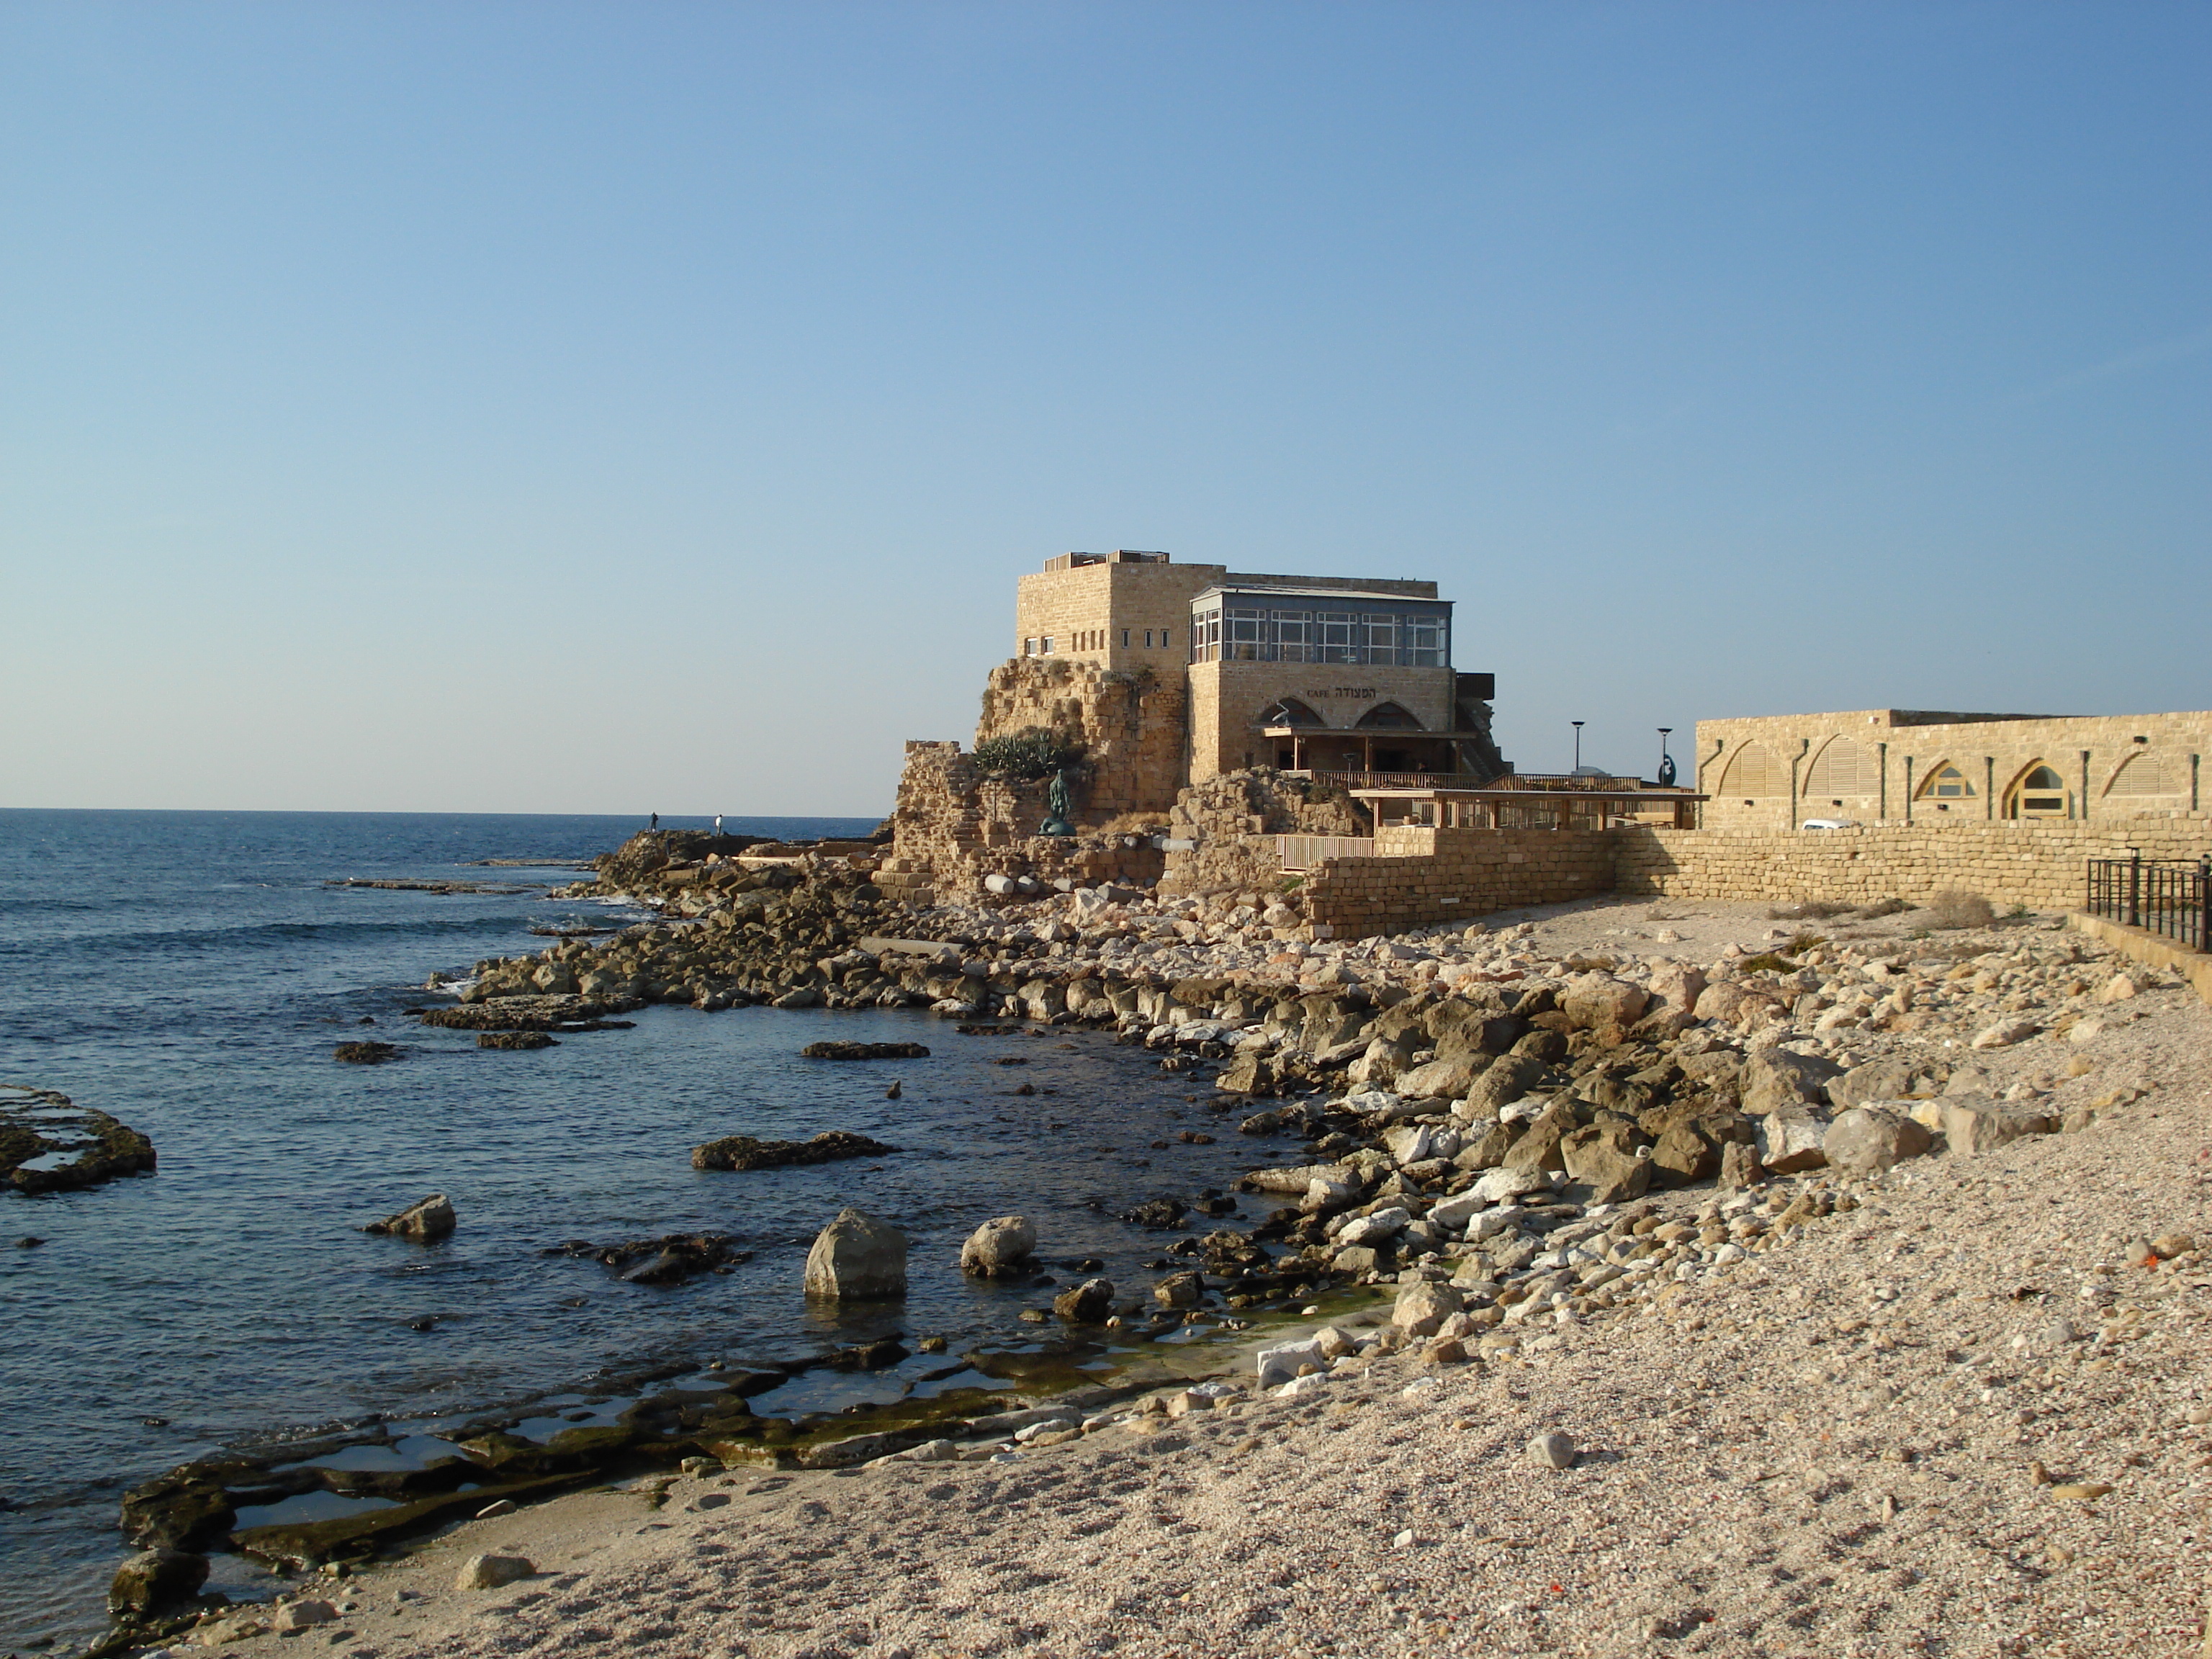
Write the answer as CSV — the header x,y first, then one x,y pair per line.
x,y
1506,1134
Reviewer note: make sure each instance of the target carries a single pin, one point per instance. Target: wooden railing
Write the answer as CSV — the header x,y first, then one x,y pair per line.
x,y
1304,852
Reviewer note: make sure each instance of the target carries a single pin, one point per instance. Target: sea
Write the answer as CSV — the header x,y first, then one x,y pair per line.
x,y
191,973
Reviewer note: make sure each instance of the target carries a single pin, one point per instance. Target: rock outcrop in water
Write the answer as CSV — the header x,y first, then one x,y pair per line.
x,y
424,1221
744,1152
49,1144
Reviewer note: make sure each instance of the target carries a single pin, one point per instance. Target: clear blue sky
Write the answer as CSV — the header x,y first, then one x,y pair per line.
x,y
633,407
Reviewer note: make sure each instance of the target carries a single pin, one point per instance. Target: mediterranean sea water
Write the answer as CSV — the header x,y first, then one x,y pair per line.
x,y
191,973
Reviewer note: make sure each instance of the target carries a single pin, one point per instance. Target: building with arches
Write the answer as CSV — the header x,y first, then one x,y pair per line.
x,y
1925,767
1332,674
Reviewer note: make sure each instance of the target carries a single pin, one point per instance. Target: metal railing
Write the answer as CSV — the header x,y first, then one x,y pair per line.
x,y
1304,852
2172,900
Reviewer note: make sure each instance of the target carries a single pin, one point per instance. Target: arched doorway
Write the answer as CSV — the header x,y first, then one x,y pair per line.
x,y
1287,719
1389,717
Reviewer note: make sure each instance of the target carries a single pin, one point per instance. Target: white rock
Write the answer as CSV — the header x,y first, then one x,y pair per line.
x,y
1375,1228
1050,1425
304,1615
1303,1385
1495,1185
1455,1212
1284,1361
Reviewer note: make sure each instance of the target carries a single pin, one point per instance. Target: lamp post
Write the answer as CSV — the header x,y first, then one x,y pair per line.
x,y
1664,764
1578,725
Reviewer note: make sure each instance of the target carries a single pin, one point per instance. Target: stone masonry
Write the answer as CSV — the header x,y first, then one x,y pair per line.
x,y
1897,766
1421,877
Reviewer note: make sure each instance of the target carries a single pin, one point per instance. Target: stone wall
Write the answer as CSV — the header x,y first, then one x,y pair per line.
x,y
2039,865
953,826
1230,823
1894,765
1133,726
1422,876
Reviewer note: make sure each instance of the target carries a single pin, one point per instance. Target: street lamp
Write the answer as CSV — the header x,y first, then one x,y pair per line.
x,y
1578,725
1666,765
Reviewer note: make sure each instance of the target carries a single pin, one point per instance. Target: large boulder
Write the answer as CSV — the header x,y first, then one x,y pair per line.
x,y
1973,1124
1483,1145
1604,1158
1423,1306
1501,1084
1792,1138
856,1258
1499,1185
1775,1077
1005,1244
1868,1141
1441,1078
1538,1145
1679,985
1887,1079
1088,1304
1600,1004
1688,1149
1375,1228
430,1219
156,1579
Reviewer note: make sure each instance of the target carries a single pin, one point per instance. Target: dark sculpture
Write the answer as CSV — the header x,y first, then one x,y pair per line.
x,y
1057,806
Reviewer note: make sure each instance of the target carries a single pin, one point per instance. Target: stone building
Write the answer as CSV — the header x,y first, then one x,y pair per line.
x,y
1325,674
1172,676
1917,766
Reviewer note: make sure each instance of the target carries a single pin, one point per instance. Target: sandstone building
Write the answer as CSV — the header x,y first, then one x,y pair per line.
x,y
1328,674
1913,766
1172,676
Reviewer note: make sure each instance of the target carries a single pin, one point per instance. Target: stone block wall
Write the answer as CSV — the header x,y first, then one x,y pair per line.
x,y
1894,765
1086,612
1433,876
2039,865
1133,726
1231,822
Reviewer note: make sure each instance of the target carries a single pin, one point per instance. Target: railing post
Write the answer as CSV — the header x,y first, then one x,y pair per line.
x,y
2134,887
2204,904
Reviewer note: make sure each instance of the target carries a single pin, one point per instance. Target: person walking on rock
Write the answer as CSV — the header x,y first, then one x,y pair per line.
x,y
655,825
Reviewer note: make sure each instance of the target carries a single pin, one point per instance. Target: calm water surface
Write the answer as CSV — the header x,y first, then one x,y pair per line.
x,y
191,972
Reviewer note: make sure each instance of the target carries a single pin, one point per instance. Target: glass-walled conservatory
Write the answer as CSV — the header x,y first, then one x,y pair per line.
x,y
1264,625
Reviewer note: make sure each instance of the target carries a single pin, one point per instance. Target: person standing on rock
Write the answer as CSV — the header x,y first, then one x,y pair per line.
x,y
655,825
718,826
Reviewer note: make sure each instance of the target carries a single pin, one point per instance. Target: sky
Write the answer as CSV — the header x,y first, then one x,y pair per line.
x,y
630,407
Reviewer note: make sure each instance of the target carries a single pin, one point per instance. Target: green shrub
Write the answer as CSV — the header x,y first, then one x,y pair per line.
x,y
1032,752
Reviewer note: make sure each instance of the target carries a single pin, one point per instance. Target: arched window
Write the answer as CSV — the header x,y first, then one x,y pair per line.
x,y
2041,794
1753,772
1288,711
1947,782
1390,716
1843,769
2148,776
